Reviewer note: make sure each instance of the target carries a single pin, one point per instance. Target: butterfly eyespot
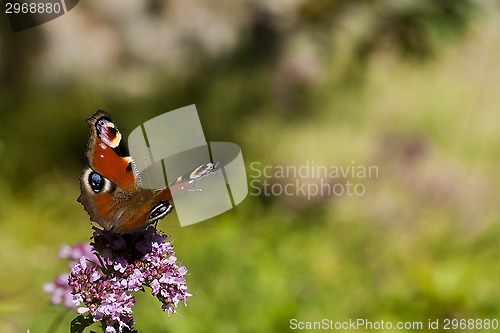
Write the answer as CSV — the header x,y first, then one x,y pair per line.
x,y
103,121
160,210
107,131
96,182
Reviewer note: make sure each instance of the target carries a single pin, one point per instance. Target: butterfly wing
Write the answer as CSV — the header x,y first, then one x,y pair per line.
x,y
119,210
107,153
146,206
185,182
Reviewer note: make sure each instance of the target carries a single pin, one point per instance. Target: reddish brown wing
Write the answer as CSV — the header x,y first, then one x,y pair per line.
x,y
107,152
143,208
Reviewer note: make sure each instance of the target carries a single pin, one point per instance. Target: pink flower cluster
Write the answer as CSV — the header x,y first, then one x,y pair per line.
x,y
100,283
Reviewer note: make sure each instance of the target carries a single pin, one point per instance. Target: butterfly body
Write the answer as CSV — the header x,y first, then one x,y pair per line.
x,y
109,191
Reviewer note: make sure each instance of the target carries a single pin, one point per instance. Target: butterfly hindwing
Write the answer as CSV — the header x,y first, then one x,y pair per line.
x,y
97,196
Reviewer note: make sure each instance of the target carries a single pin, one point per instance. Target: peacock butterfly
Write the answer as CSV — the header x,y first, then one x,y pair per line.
x,y
109,190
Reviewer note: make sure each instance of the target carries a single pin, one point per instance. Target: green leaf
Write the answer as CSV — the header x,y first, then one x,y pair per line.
x,y
80,323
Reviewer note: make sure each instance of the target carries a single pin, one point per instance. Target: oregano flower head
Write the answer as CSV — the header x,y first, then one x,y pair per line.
x,y
105,272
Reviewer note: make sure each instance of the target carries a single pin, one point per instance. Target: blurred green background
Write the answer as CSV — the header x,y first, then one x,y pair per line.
x,y
408,86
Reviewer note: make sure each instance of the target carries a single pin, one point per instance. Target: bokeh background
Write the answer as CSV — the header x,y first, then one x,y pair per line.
x,y
408,86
